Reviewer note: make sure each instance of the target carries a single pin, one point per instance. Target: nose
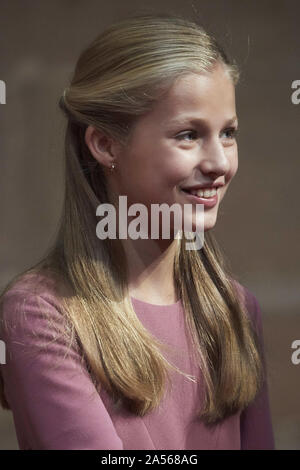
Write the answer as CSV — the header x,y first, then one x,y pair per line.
x,y
213,159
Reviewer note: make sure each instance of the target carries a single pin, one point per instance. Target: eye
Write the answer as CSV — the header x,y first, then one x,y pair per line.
x,y
188,136
231,132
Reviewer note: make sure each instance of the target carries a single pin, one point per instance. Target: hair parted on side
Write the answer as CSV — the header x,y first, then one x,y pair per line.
x,y
118,78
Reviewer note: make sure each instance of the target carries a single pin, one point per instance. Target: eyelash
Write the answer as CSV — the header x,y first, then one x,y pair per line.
x,y
233,133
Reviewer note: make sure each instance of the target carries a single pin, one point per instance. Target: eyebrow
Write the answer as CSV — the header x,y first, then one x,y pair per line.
x,y
192,120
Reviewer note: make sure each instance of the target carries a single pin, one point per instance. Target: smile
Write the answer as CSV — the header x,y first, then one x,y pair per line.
x,y
207,193
207,197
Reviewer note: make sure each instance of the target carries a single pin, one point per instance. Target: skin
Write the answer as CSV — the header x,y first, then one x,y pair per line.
x,y
165,152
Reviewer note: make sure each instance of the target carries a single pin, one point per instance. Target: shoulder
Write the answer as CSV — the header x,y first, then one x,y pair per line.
x,y
28,287
31,307
38,283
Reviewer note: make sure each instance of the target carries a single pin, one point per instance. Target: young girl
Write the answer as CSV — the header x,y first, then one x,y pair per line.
x,y
139,343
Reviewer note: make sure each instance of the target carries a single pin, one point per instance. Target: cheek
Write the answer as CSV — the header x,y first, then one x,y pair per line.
x,y
167,169
233,166
177,168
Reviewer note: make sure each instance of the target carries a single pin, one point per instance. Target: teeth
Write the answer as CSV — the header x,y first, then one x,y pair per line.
x,y
204,193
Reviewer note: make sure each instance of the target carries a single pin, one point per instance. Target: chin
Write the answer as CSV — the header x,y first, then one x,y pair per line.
x,y
210,218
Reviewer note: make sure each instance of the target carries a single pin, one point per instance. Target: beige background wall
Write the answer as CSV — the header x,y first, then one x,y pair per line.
x,y
258,224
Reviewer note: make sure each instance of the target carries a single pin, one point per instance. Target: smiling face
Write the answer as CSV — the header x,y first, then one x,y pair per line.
x,y
187,139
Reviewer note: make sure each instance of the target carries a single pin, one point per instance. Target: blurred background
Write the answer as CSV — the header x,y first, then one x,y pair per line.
x,y
258,226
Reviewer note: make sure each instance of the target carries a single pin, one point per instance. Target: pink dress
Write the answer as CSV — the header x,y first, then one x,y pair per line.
x,y
58,407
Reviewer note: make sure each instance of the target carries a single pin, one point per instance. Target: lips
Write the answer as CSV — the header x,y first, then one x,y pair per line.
x,y
202,186
202,192
207,202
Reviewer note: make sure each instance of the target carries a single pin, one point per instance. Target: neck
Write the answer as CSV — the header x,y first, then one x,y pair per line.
x,y
150,269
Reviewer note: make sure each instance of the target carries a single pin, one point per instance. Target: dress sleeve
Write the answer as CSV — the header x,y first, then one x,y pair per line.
x,y
256,423
54,402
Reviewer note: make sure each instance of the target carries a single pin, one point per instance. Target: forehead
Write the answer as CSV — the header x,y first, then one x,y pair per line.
x,y
198,95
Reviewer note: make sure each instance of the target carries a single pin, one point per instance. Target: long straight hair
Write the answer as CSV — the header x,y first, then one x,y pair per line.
x,y
117,78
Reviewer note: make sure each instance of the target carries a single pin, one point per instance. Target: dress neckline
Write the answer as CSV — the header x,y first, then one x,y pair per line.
x,y
156,305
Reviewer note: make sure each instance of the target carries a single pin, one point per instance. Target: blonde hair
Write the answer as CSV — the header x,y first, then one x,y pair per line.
x,y
117,78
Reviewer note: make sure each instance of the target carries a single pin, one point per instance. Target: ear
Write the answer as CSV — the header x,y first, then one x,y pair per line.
x,y
101,146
